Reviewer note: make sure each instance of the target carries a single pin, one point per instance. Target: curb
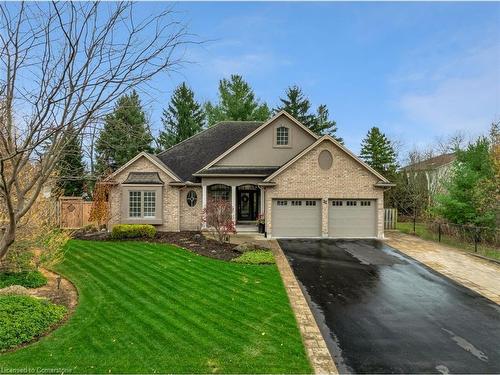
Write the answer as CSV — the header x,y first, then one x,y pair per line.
x,y
315,345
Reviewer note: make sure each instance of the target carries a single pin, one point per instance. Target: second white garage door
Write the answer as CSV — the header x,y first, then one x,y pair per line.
x,y
296,218
352,218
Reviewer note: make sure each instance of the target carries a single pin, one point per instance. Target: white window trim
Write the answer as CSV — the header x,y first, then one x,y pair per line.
x,y
142,204
142,219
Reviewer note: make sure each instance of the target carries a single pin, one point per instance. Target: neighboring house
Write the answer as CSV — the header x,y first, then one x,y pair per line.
x,y
304,185
437,170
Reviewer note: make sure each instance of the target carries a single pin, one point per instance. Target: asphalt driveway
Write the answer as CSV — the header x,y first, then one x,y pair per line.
x,y
383,312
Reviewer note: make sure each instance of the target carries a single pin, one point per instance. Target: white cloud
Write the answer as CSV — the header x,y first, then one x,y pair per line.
x,y
459,94
246,64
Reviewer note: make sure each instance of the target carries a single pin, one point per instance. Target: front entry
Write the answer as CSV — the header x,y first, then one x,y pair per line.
x,y
247,202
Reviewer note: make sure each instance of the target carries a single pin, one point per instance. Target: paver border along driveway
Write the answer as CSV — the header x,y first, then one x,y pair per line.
x,y
381,311
480,275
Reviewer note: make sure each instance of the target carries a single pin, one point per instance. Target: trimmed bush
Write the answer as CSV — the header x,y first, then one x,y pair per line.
x,y
256,257
123,231
28,279
23,318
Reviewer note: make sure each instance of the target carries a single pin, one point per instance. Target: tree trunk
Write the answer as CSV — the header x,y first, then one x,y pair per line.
x,y
8,238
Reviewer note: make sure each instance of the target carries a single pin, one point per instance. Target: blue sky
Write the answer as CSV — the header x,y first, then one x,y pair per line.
x,y
416,70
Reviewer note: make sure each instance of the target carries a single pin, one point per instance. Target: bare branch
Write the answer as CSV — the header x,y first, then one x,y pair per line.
x,y
64,64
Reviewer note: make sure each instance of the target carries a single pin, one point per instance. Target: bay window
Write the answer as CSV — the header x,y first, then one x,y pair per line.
x,y
141,204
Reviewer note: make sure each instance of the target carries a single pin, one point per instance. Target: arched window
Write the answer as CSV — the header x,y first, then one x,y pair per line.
x,y
191,198
282,136
219,191
248,187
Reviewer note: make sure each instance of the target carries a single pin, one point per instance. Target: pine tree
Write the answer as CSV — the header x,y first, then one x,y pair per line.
x,y
237,102
71,168
183,118
325,126
378,152
125,134
297,105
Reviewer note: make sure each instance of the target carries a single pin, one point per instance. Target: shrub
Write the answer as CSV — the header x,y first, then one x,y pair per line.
x,y
256,257
23,318
28,279
218,214
123,231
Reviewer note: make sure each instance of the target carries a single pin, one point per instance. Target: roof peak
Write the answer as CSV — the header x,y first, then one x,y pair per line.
x,y
205,130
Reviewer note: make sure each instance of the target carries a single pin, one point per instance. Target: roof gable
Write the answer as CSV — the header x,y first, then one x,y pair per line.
x,y
254,133
153,159
190,155
314,145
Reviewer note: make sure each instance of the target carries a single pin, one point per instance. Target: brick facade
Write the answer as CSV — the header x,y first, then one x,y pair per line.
x,y
170,202
190,217
304,179
345,179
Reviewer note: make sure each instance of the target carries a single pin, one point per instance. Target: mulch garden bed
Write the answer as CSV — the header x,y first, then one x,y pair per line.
x,y
197,243
193,241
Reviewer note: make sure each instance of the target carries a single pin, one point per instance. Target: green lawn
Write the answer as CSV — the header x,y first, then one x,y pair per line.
x,y
148,307
422,231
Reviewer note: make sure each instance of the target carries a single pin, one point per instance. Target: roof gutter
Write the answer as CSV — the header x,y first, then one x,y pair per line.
x,y
228,175
384,184
182,184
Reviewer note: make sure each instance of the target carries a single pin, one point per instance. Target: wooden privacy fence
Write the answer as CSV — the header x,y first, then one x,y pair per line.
x,y
390,218
74,212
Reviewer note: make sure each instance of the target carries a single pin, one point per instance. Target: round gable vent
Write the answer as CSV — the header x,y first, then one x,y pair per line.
x,y
325,159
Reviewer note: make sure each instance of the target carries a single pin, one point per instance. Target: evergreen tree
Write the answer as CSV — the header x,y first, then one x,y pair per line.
x,y
183,118
125,134
378,152
472,182
71,168
325,126
237,102
297,105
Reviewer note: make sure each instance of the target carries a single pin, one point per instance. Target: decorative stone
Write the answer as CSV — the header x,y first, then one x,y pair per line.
x,y
14,290
244,247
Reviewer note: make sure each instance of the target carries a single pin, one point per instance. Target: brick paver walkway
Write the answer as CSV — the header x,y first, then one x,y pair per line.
x,y
475,273
314,343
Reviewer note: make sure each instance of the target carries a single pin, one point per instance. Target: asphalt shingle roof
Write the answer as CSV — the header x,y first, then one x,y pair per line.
x,y
433,163
264,171
194,153
150,178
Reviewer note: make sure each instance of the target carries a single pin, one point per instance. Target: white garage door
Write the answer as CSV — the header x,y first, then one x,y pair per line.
x,y
296,218
352,218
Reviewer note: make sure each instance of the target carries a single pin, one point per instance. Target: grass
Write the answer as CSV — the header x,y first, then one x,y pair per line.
x,y
422,231
256,257
28,279
23,318
148,307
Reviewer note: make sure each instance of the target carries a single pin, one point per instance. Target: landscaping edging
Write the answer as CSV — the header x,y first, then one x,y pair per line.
x,y
317,351
67,297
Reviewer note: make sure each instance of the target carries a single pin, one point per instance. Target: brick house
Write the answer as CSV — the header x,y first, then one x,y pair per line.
x,y
303,185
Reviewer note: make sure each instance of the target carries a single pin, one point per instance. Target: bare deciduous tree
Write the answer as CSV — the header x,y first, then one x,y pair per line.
x,y
218,215
411,194
64,63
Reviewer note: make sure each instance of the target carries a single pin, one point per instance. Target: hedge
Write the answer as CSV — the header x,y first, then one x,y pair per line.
x,y
23,318
123,231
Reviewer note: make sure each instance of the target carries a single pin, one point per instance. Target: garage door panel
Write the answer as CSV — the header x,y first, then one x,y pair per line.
x,y
352,218
296,218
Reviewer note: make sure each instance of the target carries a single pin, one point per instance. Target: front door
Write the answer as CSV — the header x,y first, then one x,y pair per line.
x,y
248,205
